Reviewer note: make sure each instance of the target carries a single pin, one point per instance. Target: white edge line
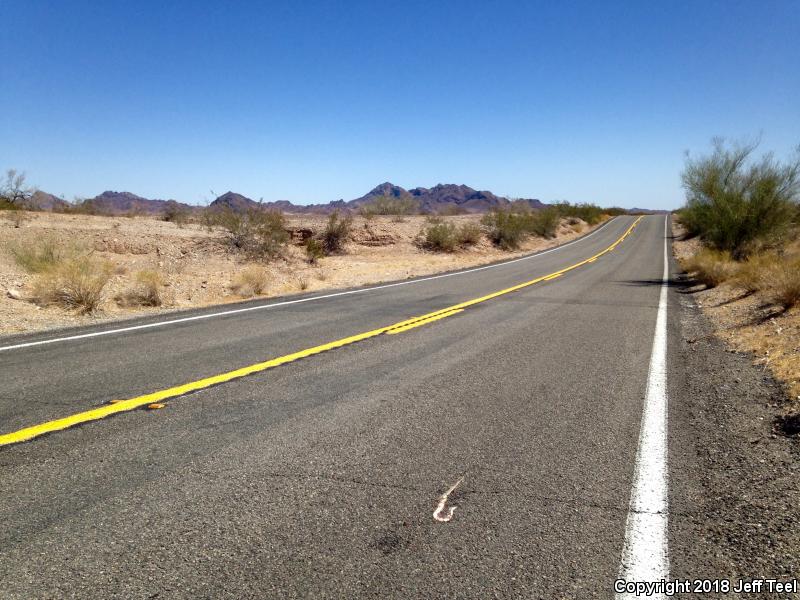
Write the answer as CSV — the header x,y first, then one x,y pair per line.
x,y
645,557
288,302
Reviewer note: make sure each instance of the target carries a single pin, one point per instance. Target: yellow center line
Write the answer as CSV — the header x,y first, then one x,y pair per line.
x,y
119,406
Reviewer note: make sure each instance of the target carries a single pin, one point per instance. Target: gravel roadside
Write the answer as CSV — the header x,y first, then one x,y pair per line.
x,y
735,491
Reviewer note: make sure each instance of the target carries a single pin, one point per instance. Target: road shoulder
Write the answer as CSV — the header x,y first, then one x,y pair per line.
x,y
735,491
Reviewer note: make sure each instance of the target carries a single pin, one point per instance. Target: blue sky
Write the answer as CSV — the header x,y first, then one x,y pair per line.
x,y
317,101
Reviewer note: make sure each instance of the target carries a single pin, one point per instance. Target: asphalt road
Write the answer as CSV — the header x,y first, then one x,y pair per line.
x,y
320,478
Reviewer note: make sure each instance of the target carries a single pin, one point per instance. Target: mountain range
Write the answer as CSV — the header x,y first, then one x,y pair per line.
x,y
437,199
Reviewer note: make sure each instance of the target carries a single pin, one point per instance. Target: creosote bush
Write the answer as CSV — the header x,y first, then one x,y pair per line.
x,y
442,236
505,229
508,228
544,222
385,205
590,213
314,250
336,232
251,281
176,213
257,232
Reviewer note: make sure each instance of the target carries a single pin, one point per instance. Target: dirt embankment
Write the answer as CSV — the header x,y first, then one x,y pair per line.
x,y
750,322
198,268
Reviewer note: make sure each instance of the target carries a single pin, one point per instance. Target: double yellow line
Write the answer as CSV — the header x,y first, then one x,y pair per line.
x,y
118,406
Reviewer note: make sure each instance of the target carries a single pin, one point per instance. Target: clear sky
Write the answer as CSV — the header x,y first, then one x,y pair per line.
x,y
315,101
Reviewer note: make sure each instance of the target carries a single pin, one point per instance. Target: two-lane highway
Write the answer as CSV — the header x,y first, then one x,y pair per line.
x,y
320,477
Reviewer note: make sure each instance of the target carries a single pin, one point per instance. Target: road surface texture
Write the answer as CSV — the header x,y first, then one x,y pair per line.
x,y
320,477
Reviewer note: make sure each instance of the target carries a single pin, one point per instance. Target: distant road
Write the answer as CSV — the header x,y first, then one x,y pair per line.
x,y
317,440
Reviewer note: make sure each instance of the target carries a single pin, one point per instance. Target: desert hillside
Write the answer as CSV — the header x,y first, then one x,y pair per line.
x,y
192,265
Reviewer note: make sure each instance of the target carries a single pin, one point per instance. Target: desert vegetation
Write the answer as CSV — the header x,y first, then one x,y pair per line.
x,y
739,240
66,275
443,236
68,260
739,204
255,232
397,207
507,228
336,232
250,281
744,211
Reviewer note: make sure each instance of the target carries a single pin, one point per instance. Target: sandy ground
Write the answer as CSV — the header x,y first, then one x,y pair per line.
x,y
751,324
198,268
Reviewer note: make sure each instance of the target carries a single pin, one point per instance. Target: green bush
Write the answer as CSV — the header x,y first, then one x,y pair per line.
x,y
259,233
544,222
591,213
336,232
506,229
175,213
439,237
385,205
314,250
469,234
737,204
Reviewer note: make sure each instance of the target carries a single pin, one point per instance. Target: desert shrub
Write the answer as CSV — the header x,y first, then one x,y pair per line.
x,y
590,213
783,282
176,213
251,281
469,234
506,229
750,274
544,222
710,267
77,283
734,203
439,237
16,216
314,250
259,233
385,205
451,210
442,236
336,232
146,291
14,193
40,254
84,207
301,281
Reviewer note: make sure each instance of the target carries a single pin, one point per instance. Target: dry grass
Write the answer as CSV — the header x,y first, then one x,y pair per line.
x,y
40,254
710,267
146,292
782,281
301,281
751,323
75,284
16,217
252,281
750,273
